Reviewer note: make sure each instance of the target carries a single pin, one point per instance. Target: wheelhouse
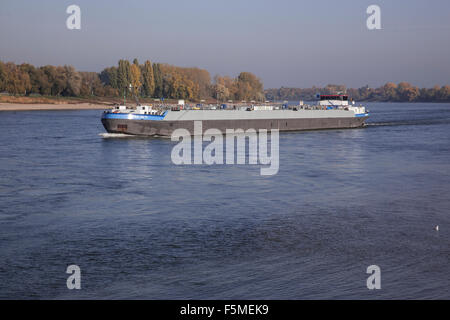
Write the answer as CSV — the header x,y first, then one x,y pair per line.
x,y
333,100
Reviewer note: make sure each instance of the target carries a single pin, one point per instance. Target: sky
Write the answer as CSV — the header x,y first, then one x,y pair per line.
x,y
290,43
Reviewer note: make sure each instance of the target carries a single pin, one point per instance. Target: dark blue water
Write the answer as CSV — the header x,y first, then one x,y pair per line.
x,y
140,227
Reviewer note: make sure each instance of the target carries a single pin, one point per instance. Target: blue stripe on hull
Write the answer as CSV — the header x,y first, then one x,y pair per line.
x,y
362,115
132,116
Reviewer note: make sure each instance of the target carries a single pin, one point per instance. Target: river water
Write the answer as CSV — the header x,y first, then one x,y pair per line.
x,y
139,226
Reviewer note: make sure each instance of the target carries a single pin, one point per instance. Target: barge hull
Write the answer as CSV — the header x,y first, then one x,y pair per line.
x,y
165,128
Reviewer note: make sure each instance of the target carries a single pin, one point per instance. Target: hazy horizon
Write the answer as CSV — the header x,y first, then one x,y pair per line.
x,y
285,43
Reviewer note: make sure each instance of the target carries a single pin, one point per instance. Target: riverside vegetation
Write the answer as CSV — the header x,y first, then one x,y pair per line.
x,y
160,80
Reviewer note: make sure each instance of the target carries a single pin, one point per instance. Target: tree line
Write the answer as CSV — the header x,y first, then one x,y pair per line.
x,y
153,80
402,92
160,80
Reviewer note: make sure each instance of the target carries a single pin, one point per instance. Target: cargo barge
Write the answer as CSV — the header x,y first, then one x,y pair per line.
x,y
331,112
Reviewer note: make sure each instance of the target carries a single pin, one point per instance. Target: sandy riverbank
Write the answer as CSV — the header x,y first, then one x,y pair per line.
x,y
69,106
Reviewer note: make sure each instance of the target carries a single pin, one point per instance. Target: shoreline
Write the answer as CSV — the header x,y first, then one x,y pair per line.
x,y
47,106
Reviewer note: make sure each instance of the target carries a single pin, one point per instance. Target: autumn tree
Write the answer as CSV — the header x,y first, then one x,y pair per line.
x,y
17,81
200,78
45,86
248,86
443,94
91,85
163,80
33,75
407,92
135,78
73,81
223,88
55,78
390,91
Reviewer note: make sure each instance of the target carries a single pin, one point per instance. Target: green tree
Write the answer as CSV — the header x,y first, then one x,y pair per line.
x,y
109,77
158,79
2,77
123,76
45,87
148,82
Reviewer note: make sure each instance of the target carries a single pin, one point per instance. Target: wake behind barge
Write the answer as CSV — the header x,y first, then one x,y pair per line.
x,y
332,112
